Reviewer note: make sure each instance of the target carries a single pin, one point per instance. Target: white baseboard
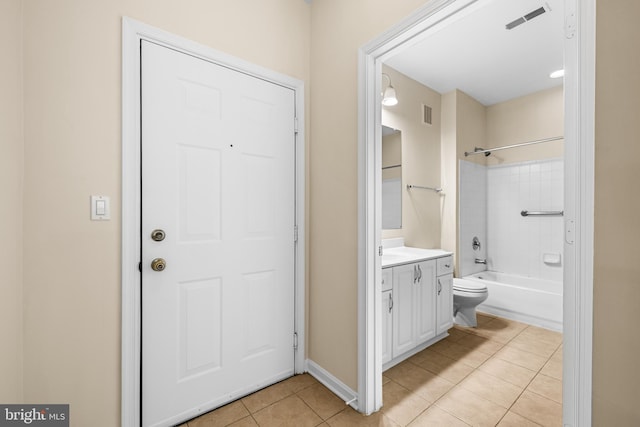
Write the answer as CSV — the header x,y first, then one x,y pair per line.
x,y
344,392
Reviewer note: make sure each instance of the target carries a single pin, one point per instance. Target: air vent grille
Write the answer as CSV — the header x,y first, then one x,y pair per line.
x,y
427,114
528,17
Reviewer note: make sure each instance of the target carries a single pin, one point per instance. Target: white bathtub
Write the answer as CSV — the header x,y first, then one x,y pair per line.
x,y
534,301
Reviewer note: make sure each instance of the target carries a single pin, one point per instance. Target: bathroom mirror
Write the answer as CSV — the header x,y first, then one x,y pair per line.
x,y
391,178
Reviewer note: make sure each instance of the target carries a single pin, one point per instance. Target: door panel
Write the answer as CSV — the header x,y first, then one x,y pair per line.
x,y
404,282
199,329
445,303
387,322
218,177
426,302
199,191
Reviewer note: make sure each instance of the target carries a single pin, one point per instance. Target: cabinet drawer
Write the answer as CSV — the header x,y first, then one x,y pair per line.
x,y
444,265
387,279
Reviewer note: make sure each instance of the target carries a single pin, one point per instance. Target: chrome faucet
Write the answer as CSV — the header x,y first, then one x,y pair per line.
x,y
481,261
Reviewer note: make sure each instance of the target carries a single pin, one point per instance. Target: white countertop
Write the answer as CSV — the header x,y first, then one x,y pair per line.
x,y
405,254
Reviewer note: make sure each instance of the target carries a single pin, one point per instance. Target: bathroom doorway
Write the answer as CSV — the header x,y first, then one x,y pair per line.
x,y
578,171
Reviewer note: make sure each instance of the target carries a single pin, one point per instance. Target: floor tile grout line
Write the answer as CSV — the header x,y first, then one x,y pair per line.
x,y
309,406
459,382
275,401
519,395
525,389
322,420
443,409
250,414
543,396
431,404
335,415
271,404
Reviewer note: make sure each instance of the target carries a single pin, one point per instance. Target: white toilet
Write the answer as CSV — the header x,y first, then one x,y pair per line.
x,y
467,295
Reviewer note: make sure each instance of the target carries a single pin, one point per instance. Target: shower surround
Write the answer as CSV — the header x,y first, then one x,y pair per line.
x,y
491,200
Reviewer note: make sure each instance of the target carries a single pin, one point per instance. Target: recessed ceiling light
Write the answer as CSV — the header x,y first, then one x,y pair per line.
x,y
557,74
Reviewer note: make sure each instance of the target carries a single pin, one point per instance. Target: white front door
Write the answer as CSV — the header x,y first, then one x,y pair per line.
x,y
218,178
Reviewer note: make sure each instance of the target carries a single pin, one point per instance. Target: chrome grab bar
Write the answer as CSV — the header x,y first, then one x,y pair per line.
x,y
542,213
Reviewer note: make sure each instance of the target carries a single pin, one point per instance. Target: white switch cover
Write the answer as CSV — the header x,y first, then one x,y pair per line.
x,y
100,209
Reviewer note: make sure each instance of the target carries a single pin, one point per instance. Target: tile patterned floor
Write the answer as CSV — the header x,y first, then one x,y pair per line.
x,y
503,373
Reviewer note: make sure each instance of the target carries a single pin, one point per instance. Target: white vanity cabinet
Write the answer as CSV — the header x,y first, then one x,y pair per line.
x,y
417,305
414,307
444,294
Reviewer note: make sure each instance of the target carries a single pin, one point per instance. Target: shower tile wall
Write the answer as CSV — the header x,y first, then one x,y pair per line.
x,y
473,216
517,244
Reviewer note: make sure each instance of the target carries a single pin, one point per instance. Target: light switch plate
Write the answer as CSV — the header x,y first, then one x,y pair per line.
x,y
100,208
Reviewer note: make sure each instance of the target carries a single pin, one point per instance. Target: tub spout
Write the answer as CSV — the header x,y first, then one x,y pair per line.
x,y
481,261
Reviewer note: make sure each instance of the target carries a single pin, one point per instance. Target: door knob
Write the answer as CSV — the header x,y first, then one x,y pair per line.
x,y
158,264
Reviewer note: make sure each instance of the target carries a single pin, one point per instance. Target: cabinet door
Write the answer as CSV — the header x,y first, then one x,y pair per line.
x,y
404,282
445,302
425,299
387,325
387,279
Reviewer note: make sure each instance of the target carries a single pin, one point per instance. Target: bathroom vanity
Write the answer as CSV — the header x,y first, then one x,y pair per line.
x,y
417,300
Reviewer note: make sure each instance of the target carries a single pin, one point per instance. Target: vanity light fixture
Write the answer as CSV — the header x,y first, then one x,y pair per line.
x,y
557,74
389,94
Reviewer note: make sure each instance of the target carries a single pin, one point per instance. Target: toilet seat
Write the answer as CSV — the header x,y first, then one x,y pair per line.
x,y
468,286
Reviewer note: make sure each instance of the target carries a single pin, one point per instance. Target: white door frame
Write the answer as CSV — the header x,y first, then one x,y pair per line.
x,y
132,34
579,195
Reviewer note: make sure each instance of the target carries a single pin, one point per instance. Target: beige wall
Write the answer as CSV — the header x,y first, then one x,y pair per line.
x,y
536,116
11,172
72,63
471,124
420,160
616,341
338,29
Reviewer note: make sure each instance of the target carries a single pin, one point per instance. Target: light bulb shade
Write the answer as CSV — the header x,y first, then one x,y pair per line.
x,y
557,74
389,97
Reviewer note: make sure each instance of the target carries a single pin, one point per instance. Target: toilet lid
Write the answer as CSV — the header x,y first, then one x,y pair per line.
x,y
468,286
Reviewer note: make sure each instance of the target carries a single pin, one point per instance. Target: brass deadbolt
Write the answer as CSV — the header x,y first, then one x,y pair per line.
x,y
158,235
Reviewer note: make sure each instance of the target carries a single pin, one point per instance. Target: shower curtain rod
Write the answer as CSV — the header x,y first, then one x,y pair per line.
x,y
490,150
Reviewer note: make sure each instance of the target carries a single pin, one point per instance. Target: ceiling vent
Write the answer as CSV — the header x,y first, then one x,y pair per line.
x,y
528,17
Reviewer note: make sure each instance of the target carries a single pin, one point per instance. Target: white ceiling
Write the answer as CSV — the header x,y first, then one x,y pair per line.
x,y
479,56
